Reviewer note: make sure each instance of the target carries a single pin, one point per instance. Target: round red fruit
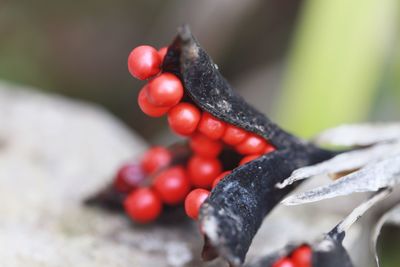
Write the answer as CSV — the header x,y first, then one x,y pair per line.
x,y
204,146
220,177
143,205
166,90
193,202
202,171
162,52
302,256
253,144
211,126
129,176
144,62
248,159
172,185
155,158
284,262
184,118
234,135
148,108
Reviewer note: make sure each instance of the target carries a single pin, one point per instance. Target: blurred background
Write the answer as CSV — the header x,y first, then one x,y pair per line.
x,y
309,65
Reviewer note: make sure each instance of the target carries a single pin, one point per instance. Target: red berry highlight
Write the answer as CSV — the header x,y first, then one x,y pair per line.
x,y
253,144
284,262
166,90
155,158
219,178
148,108
129,176
144,62
193,202
162,52
211,126
143,205
202,171
172,185
234,135
184,118
204,146
269,148
302,256
248,159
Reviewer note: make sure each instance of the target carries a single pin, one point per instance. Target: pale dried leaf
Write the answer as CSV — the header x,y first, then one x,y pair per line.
x,y
372,177
344,162
390,217
361,209
360,134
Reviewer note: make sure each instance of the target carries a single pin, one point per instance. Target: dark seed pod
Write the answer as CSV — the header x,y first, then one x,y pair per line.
x,y
210,91
326,253
236,207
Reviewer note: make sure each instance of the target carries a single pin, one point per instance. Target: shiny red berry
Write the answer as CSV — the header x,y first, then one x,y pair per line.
x,y
234,135
129,176
143,205
284,262
202,171
166,90
269,148
162,52
193,202
302,256
211,126
253,144
148,108
144,62
155,158
247,159
184,118
220,177
172,185
204,146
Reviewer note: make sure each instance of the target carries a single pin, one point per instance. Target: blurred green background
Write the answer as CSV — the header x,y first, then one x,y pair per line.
x,y
309,65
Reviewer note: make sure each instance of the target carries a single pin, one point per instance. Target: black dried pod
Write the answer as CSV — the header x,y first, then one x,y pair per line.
x,y
328,252
236,207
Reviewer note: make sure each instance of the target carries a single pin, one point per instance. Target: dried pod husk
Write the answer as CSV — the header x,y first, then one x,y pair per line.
x,y
235,209
329,252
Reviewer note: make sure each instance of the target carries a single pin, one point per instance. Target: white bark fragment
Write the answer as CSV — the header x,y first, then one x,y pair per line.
x,y
372,177
359,134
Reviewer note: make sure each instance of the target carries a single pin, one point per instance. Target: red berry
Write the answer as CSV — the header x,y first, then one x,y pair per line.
x,y
284,262
234,135
128,177
220,177
144,62
162,52
253,144
248,159
148,108
155,158
172,185
202,171
211,126
204,146
193,202
183,118
302,256
269,148
143,205
166,90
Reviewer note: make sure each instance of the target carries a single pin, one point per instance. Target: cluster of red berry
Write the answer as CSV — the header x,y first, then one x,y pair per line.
x,y
300,257
163,95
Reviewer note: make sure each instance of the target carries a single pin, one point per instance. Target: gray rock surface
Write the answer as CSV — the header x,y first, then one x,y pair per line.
x,y
54,152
